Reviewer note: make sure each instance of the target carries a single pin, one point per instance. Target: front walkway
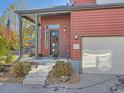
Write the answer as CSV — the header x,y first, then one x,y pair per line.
x,y
39,74
90,83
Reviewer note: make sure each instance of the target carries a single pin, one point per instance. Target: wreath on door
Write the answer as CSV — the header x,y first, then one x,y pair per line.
x,y
55,39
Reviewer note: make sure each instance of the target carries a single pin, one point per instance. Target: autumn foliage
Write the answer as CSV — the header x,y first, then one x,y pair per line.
x,y
11,37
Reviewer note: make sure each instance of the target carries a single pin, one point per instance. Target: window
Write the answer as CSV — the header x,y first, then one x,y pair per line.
x,y
46,38
53,26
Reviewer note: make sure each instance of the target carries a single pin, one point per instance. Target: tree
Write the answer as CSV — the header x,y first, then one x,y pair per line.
x,y
12,38
9,14
9,21
4,46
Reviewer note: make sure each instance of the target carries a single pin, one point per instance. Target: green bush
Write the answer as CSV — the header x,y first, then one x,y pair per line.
x,y
32,55
9,59
21,69
2,68
4,46
62,68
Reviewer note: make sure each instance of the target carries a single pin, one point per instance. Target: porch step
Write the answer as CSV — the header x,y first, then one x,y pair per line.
x,y
43,60
38,75
34,80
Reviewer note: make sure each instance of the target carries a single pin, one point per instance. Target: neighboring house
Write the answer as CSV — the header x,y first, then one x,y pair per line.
x,y
69,31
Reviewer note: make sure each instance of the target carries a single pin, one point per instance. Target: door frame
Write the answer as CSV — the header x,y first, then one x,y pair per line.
x,y
58,40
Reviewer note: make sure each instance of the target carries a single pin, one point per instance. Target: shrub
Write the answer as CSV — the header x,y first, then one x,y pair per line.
x,y
9,58
21,69
32,55
4,46
62,68
2,68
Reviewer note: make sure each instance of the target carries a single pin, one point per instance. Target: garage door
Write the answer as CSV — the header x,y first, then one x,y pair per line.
x,y
103,55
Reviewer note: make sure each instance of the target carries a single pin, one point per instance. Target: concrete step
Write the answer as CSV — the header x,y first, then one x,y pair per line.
x,y
36,75
35,79
46,66
34,82
40,73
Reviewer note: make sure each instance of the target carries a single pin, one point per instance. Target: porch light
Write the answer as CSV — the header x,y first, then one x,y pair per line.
x,y
64,29
75,36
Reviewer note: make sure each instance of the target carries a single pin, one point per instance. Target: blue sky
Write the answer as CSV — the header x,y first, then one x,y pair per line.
x,y
32,4
4,4
46,3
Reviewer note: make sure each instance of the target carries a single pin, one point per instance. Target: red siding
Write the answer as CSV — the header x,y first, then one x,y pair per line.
x,y
79,2
64,22
95,22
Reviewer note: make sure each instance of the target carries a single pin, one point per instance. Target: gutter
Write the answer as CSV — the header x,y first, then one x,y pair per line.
x,y
71,8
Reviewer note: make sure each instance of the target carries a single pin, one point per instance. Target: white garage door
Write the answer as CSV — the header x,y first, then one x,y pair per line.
x,y
103,55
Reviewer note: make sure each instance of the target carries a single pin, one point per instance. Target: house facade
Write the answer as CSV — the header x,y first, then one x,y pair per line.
x,y
63,27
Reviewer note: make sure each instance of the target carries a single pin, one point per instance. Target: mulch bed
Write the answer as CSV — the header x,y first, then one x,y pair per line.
x,y
9,78
74,79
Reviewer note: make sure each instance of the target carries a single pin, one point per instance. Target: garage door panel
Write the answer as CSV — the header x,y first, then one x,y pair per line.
x,y
103,54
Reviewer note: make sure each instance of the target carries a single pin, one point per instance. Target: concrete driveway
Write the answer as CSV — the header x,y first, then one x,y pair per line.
x,y
90,83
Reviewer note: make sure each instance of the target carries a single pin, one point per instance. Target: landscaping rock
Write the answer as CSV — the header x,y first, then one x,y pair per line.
x,y
1,73
74,79
118,87
64,78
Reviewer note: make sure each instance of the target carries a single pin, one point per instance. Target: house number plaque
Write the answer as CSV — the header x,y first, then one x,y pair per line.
x,y
76,46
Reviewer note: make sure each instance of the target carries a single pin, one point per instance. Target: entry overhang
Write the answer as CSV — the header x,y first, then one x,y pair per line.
x,y
31,17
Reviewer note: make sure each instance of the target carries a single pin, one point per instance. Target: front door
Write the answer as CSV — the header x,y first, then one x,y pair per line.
x,y
54,43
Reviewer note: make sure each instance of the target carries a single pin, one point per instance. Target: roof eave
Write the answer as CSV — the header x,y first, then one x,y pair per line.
x,y
71,8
